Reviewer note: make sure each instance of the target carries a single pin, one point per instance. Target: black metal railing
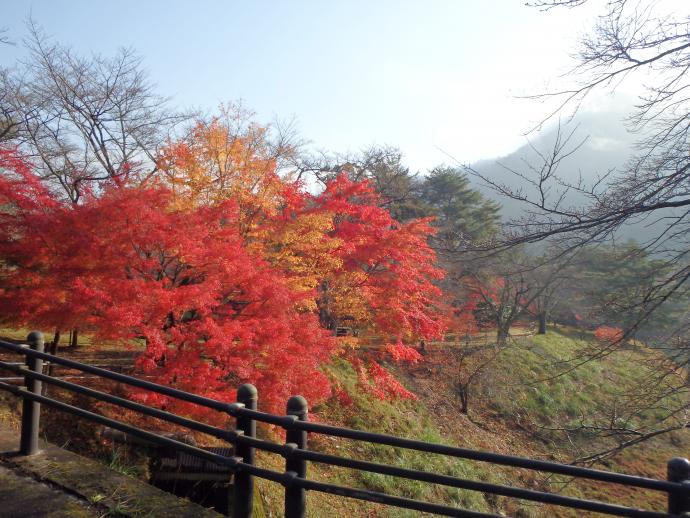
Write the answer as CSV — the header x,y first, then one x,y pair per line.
x,y
295,449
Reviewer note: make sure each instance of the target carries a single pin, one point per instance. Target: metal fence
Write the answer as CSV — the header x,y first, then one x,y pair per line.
x,y
296,453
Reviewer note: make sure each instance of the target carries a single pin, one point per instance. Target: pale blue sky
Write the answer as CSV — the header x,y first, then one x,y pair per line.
x,y
420,75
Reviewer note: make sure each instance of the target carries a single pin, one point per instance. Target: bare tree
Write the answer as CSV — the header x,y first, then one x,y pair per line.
x,y
509,286
629,41
9,115
547,281
84,121
381,165
653,187
472,362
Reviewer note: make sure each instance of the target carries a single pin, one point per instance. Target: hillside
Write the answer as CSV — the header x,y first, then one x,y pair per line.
x,y
601,146
602,141
507,415
510,411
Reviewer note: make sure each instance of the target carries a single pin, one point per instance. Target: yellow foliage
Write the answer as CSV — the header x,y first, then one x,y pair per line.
x,y
301,247
217,162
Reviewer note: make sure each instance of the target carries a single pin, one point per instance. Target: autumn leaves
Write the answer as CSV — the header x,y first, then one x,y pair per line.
x,y
225,269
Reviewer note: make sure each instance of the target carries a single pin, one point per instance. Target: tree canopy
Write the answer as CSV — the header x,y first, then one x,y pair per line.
x,y
224,283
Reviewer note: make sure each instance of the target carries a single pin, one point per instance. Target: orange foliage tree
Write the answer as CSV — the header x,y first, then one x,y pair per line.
x,y
608,334
355,263
226,157
226,270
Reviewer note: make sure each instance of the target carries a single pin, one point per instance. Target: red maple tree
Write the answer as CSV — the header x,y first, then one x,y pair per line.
x,y
213,304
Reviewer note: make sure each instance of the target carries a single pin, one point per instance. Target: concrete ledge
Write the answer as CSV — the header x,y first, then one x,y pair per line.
x,y
24,497
95,484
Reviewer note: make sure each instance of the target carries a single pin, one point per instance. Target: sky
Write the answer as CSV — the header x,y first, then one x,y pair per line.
x,y
431,77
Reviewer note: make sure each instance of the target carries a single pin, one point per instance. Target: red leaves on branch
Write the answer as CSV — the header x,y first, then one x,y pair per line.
x,y
217,302
388,269
402,353
125,266
607,334
379,382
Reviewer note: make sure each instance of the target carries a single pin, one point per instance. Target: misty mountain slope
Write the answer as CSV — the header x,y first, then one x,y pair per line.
x,y
605,146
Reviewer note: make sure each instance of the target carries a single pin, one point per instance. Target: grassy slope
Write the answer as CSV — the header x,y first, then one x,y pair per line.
x,y
588,391
506,415
406,418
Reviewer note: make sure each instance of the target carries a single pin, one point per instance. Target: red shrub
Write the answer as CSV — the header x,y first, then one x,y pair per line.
x,y
609,334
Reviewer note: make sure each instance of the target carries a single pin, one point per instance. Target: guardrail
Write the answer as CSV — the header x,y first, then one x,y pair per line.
x,y
295,449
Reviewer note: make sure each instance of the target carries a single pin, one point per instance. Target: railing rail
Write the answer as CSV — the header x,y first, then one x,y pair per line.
x,y
295,450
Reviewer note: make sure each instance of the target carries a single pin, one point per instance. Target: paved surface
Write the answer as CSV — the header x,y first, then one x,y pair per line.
x,y
73,483
24,497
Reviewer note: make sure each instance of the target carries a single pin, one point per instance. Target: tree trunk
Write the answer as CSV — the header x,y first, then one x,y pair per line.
x,y
464,393
542,323
502,333
74,338
53,347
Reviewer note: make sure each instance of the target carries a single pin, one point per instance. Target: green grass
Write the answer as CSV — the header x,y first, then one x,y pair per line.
x,y
522,392
401,418
542,381
536,385
121,462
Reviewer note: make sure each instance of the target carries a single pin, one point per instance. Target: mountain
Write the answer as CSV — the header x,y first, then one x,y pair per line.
x,y
604,143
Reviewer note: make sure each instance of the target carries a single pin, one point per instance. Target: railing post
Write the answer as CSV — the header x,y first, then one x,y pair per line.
x,y
296,497
678,470
243,491
31,410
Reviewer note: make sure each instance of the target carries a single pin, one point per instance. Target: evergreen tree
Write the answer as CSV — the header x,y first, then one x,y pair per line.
x,y
463,214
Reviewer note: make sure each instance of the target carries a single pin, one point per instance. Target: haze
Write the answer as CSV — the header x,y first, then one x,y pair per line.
x,y
428,77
